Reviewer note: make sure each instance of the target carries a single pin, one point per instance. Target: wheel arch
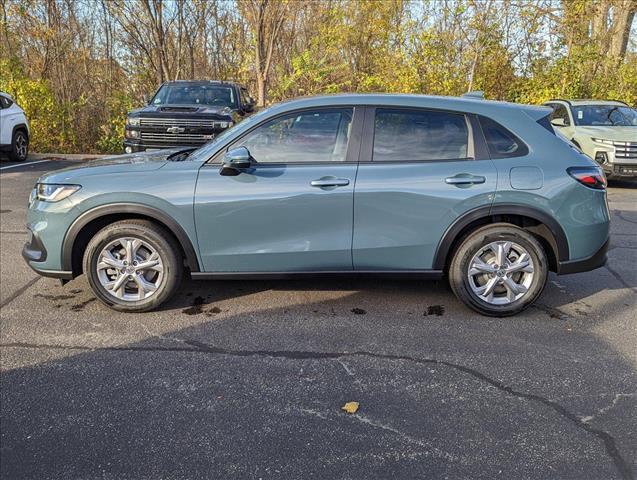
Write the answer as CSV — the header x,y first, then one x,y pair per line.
x,y
544,227
20,126
91,221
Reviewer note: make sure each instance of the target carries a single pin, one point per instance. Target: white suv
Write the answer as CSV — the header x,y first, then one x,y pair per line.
x,y
605,130
14,129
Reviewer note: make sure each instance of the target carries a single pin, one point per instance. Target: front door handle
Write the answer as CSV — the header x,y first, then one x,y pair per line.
x,y
465,179
330,182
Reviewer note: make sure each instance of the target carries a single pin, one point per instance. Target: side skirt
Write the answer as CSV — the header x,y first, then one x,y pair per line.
x,y
422,274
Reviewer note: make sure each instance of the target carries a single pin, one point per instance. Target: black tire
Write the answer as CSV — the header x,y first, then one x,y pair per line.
x,y
474,243
159,239
19,146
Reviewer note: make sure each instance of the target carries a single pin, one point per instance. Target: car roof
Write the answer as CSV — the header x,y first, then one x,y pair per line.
x,y
586,101
202,82
463,104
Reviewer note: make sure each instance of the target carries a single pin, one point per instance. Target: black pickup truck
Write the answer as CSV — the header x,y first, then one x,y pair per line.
x,y
186,113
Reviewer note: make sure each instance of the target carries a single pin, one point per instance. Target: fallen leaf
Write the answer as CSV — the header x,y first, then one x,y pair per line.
x,y
350,407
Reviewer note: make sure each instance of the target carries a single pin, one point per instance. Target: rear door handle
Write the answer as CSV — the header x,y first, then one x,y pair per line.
x,y
465,179
330,182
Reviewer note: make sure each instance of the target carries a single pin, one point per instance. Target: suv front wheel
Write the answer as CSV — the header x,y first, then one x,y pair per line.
x,y
498,270
133,265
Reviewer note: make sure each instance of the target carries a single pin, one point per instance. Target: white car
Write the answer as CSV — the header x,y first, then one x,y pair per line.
x,y
604,130
14,129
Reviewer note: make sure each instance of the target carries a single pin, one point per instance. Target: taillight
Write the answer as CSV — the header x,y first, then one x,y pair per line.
x,y
592,177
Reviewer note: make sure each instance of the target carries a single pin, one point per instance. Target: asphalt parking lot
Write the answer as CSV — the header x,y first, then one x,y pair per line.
x,y
246,379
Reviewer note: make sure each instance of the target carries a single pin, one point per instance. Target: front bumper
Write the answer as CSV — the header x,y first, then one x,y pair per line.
x,y
618,170
597,260
34,252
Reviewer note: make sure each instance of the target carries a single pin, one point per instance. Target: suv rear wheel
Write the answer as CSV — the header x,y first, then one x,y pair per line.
x,y
133,265
19,146
498,270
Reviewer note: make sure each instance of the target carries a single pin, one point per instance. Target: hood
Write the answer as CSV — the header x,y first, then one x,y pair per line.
x,y
132,162
621,134
179,110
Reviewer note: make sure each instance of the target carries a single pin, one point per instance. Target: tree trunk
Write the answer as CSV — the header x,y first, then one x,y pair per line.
x,y
261,84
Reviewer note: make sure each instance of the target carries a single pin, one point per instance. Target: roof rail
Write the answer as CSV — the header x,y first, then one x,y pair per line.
x,y
618,101
560,100
477,94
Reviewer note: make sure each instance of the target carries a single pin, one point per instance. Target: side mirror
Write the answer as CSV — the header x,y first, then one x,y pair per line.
x,y
558,122
236,160
145,99
249,107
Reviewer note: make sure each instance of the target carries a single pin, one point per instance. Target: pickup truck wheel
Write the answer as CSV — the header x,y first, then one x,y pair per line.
x,y
19,146
498,270
133,265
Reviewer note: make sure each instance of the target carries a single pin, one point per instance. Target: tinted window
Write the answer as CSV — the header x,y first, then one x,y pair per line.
x,y
5,102
402,135
500,141
605,115
309,136
546,123
559,111
213,95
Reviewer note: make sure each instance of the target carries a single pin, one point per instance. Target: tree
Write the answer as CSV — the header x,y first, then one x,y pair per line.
x,y
266,19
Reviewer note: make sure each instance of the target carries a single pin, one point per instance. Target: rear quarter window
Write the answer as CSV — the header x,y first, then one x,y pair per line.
x,y
501,142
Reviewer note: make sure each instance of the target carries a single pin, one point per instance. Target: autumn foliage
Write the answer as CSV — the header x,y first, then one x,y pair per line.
x,y
77,66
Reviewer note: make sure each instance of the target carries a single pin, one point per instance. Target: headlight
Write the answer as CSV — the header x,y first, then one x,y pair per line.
x,y
52,192
131,133
602,141
133,122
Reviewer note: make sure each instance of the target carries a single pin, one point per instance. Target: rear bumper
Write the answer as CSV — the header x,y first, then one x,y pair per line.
x,y
598,259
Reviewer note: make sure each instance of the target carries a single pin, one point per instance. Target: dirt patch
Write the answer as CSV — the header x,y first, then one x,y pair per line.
x,y
80,306
54,297
197,307
437,310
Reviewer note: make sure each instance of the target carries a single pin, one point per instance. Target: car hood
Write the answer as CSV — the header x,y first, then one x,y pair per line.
x,y
133,162
621,134
186,111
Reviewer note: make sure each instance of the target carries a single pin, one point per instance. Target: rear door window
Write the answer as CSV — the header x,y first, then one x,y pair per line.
x,y
419,135
501,142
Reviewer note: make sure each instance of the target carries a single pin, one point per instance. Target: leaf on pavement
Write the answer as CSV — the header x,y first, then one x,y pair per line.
x,y
350,407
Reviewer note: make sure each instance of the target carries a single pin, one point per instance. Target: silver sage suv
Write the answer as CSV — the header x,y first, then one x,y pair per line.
x,y
482,192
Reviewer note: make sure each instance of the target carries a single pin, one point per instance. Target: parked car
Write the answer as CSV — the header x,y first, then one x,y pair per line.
x,y
604,130
483,192
14,129
186,113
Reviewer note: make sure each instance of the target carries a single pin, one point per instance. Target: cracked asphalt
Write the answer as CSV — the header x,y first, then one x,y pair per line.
x,y
245,379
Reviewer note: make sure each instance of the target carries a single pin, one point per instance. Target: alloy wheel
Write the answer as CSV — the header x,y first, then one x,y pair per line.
x,y
130,269
501,273
21,145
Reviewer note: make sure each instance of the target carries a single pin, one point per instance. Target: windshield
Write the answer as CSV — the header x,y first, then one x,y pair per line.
x,y
604,115
206,151
213,95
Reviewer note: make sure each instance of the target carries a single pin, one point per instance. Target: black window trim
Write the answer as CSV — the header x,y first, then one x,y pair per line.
x,y
475,143
353,143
